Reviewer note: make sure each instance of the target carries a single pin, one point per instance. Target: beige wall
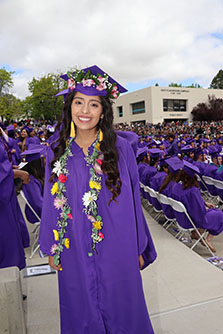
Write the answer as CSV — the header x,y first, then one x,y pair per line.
x,y
153,97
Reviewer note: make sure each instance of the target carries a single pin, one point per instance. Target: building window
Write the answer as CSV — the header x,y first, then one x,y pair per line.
x,y
174,105
120,111
138,108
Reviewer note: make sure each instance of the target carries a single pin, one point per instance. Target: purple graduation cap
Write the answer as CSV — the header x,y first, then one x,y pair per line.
x,y
190,169
198,152
34,153
187,148
155,152
92,81
141,152
175,164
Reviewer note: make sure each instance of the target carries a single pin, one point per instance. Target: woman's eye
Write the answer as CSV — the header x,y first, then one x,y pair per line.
x,y
78,102
94,105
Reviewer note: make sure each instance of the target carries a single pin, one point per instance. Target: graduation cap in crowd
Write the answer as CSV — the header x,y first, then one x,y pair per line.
x,y
141,153
198,152
34,153
155,152
92,81
175,164
190,169
187,148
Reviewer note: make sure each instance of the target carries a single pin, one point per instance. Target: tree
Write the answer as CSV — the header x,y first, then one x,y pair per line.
x,y
217,81
174,84
43,104
10,107
6,81
210,111
194,85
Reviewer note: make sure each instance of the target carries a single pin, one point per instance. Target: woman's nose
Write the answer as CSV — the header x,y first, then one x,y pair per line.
x,y
85,108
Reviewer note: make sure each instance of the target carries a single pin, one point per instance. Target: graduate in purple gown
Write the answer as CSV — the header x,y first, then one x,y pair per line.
x,y
34,189
92,225
203,214
12,237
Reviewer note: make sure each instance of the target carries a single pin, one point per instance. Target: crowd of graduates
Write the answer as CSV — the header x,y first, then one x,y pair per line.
x,y
170,156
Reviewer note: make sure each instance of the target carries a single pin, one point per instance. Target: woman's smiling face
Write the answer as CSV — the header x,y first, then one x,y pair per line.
x,y
86,111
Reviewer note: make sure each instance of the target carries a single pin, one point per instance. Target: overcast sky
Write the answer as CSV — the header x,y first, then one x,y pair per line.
x,y
138,42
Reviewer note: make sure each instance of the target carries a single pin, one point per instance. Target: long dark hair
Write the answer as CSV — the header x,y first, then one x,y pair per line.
x,y
187,180
110,162
36,169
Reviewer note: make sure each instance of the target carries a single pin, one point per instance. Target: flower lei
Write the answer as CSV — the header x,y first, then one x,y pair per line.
x,y
89,80
89,199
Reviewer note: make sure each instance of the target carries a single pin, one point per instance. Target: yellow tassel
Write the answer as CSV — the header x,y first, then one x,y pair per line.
x,y
100,135
72,129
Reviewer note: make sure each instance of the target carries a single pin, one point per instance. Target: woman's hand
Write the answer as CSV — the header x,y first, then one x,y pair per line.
x,y
21,174
209,205
52,265
141,262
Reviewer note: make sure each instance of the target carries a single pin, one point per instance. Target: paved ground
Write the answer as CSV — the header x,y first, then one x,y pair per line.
x,y
183,291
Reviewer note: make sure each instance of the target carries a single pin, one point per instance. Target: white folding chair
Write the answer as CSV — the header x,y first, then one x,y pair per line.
x,y
164,200
35,245
179,207
211,182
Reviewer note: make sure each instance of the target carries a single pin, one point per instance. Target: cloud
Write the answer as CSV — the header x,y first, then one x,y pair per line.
x,y
133,41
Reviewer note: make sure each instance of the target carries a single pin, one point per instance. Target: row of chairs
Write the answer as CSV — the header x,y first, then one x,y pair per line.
x,y
179,209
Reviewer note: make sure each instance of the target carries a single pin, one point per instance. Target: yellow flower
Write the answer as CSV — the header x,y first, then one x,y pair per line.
x,y
97,225
56,235
67,243
95,185
54,188
98,146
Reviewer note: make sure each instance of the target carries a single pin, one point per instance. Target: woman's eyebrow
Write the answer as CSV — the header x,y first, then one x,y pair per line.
x,y
81,98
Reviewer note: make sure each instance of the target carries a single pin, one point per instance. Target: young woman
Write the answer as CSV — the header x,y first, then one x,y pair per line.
x,y
204,214
92,226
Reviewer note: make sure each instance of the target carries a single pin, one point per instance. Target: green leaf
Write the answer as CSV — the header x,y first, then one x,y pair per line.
x,y
56,259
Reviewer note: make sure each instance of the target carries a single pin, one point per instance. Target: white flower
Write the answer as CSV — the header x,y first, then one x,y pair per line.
x,y
57,168
88,198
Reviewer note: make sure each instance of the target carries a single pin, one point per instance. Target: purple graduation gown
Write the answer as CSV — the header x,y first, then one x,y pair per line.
x,y
211,219
11,234
34,195
101,294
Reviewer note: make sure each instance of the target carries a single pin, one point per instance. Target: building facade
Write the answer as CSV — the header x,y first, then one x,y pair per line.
x,y
160,104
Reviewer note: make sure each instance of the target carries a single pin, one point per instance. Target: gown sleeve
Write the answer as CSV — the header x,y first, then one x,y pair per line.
x,y
6,177
145,243
49,213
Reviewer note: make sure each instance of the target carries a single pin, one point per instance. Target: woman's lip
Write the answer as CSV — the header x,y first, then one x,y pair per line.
x,y
84,119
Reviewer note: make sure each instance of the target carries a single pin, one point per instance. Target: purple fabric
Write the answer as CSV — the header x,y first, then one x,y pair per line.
x,y
34,195
11,244
101,294
211,219
34,140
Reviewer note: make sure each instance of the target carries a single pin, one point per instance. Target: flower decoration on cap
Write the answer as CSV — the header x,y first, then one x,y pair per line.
x,y
99,81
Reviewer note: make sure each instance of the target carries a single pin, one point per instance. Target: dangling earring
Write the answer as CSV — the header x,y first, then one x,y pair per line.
x,y
72,129
100,135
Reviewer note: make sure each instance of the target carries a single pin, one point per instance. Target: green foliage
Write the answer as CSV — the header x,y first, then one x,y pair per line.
x,y
10,107
174,84
43,103
217,81
194,85
6,81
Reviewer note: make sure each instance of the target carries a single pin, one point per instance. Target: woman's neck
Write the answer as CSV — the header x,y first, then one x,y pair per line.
x,y
85,138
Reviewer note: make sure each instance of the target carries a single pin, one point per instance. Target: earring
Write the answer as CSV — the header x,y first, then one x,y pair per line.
x,y
100,135
72,129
